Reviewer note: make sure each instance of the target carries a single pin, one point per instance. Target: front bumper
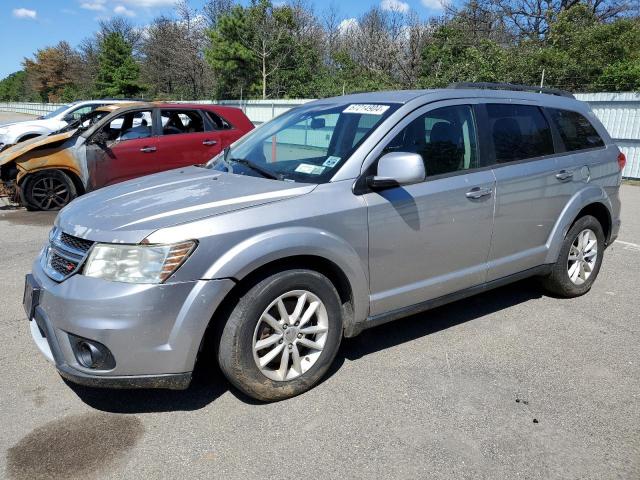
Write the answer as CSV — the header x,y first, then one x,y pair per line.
x,y
153,331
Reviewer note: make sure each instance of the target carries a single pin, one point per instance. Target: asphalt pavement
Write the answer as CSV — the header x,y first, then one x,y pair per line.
x,y
508,384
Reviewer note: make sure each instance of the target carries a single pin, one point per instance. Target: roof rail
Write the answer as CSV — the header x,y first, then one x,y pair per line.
x,y
511,86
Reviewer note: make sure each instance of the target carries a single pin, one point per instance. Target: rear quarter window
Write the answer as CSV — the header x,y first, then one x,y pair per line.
x,y
218,122
576,131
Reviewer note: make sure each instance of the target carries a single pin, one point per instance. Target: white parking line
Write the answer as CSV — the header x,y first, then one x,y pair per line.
x,y
628,245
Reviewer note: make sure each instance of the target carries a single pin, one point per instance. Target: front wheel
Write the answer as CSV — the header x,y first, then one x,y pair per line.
x,y
282,335
47,190
579,260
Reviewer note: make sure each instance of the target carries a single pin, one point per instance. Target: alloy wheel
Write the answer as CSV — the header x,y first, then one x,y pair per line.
x,y
583,255
49,192
290,335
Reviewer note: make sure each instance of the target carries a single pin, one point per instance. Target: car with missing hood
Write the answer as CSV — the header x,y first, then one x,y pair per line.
x,y
13,133
116,143
336,216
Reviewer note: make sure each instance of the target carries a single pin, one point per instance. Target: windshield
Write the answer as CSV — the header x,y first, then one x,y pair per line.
x,y
56,112
307,144
84,122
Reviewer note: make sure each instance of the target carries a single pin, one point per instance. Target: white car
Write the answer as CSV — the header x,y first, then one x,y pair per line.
x,y
13,133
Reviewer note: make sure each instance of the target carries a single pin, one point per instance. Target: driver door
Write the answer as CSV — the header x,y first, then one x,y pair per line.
x,y
431,239
129,151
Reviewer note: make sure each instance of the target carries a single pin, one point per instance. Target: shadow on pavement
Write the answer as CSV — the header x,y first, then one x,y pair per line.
x,y
204,389
207,386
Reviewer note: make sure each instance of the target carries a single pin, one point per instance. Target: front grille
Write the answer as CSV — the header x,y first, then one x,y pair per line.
x,y
76,243
61,265
64,255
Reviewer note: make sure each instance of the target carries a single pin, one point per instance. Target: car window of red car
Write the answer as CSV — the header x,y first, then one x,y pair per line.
x,y
181,121
218,122
130,125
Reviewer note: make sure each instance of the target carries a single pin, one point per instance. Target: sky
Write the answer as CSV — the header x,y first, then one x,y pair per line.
x,y
28,25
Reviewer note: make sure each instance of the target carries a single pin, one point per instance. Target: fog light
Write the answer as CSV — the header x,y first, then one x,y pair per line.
x,y
92,354
88,355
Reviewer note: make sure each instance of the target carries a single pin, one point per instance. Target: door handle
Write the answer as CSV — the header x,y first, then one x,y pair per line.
x,y
209,142
148,149
477,192
563,175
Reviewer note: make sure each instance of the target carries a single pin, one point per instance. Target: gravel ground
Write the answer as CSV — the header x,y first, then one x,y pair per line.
x,y
508,384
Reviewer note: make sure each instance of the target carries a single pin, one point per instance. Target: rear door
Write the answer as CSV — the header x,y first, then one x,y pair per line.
x,y
186,138
532,185
129,149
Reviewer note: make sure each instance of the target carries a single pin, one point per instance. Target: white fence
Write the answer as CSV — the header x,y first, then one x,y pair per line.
x,y
619,112
258,111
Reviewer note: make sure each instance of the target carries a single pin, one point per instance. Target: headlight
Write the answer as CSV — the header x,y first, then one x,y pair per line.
x,y
136,263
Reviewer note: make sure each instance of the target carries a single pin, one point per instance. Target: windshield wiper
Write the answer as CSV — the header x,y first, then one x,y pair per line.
x,y
256,168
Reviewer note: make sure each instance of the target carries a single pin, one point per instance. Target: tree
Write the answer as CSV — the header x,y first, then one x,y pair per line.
x,y
250,43
52,71
15,87
174,63
533,18
118,72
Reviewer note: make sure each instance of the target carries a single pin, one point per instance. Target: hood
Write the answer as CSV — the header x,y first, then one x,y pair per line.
x,y
21,148
128,212
31,123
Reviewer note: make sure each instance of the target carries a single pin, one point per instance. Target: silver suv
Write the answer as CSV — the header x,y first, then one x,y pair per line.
x,y
336,216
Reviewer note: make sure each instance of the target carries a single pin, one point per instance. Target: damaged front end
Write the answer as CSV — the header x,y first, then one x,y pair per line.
x,y
46,151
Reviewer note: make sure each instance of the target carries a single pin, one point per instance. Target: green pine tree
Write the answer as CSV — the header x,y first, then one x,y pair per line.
x,y
118,72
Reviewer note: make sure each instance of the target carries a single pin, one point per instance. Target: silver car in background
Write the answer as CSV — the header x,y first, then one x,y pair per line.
x,y
337,216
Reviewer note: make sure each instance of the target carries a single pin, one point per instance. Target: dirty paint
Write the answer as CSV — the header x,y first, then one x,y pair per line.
x,y
74,446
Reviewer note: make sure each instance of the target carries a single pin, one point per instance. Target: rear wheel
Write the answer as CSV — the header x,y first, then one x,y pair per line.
x,y
282,336
47,190
580,259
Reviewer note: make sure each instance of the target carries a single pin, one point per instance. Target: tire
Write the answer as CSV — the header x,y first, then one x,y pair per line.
x,y
247,325
47,190
559,281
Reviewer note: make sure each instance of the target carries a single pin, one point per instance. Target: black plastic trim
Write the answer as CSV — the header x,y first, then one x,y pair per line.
x,y
383,318
172,381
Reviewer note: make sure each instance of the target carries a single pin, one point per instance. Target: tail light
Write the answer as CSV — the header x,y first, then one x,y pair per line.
x,y
622,161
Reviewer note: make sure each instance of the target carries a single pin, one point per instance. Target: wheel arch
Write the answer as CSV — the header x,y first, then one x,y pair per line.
x,y
300,247
28,136
73,175
590,201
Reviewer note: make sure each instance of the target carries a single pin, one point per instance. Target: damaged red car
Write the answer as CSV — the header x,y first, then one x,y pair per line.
x,y
111,145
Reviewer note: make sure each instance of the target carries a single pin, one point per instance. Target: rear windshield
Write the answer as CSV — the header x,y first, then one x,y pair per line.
x,y
576,131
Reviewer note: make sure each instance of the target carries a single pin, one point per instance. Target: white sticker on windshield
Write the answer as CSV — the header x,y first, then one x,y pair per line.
x,y
309,169
366,108
331,161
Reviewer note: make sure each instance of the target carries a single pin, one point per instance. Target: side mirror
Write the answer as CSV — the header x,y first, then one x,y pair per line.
x,y
69,118
317,123
396,169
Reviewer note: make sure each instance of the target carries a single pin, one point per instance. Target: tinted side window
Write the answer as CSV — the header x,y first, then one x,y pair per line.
x,y
445,138
576,131
518,132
